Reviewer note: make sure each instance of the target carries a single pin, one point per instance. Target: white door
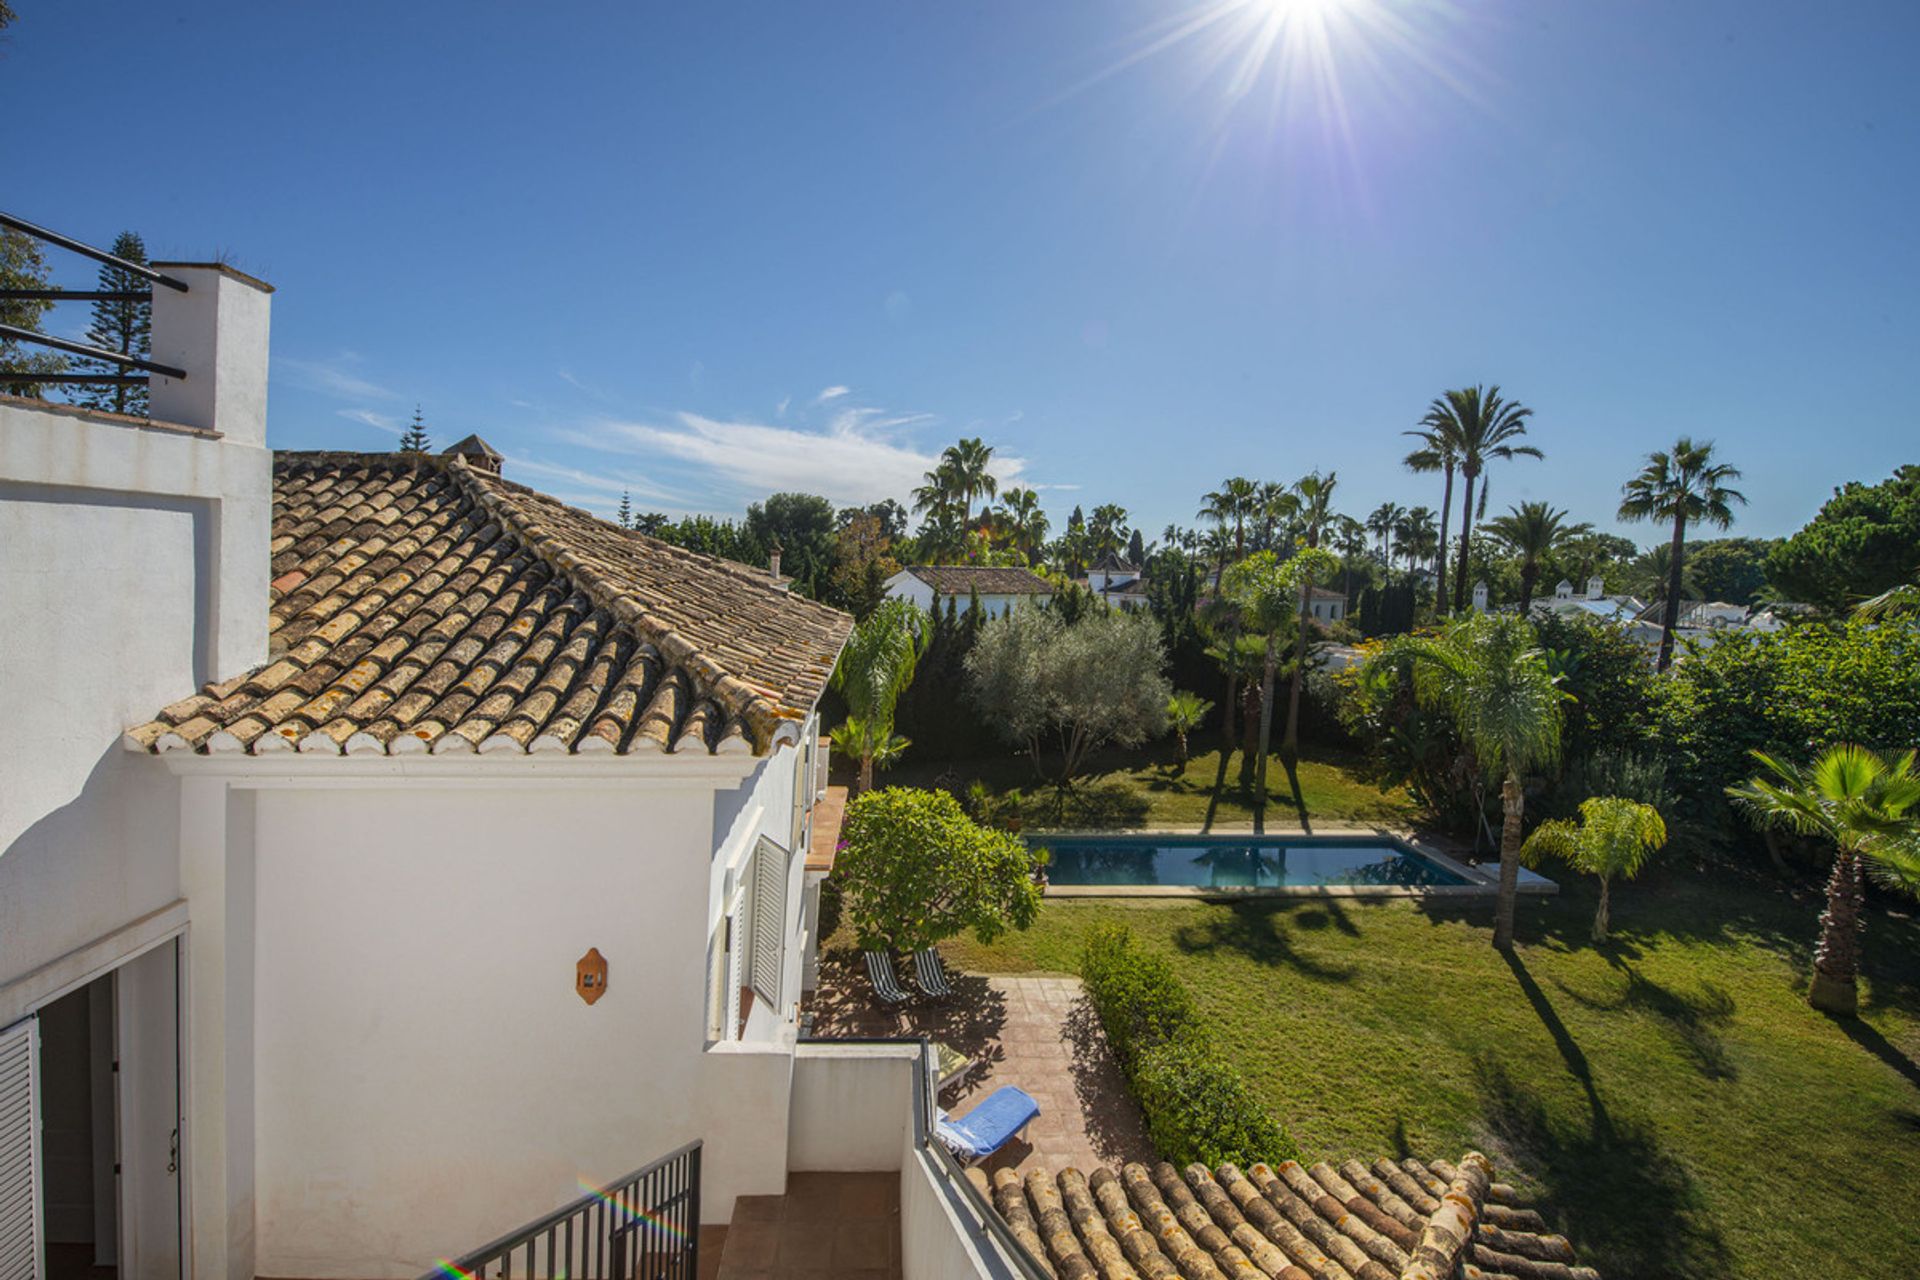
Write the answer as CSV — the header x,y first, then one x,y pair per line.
x,y
21,1253
150,1172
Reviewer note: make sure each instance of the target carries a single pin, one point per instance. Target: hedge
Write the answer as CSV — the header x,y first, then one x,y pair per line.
x,y
1197,1108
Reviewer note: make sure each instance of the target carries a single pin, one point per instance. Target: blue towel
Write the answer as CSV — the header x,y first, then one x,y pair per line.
x,y
986,1128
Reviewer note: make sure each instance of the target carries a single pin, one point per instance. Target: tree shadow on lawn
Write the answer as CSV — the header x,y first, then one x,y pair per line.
x,y
1632,1208
1879,1046
1695,1021
1259,930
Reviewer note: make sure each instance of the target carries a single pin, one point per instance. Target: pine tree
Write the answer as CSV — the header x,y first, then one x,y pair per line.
x,y
23,266
625,514
414,438
123,327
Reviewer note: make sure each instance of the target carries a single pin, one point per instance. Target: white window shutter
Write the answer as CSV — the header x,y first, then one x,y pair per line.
x,y
769,919
20,1245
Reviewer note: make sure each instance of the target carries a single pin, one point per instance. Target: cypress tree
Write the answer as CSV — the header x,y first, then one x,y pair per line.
x,y
122,327
625,514
414,438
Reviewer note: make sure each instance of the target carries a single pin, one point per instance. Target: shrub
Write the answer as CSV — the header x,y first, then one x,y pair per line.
x,y
917,870
1197,1107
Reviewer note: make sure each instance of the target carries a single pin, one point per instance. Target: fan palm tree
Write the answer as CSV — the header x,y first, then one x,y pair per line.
x,y
1486,673
1107,529
1868,805
874,670
1614,837
1231,504
1026,523
1383,524
939,490
967,462
1416,536
1483,427
1438,451
1185,712
1532,531
1684,485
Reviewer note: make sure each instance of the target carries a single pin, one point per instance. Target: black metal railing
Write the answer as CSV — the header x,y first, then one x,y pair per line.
x,y
645,1226
120,360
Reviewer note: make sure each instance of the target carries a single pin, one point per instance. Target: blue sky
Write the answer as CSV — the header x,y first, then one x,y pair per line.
x,y
706,251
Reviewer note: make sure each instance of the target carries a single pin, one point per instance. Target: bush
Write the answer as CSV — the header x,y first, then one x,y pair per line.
x,y
1197,1108
916,870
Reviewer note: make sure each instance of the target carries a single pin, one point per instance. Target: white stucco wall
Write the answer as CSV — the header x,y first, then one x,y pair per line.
x,y
852,1106
904,586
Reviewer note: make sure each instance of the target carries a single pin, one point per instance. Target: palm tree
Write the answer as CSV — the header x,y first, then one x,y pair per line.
x,y
1533,531
1107,529
1438,451
1383,524
1026,523
939,490
1868,805
1684,485
1482,427
1231,504
1263,590
967,461
1486,673
1650,574
874,670
1417,536
1314,509
1185,712
1614,837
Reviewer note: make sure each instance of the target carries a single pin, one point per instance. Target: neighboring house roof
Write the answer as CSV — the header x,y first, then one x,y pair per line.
x,y
421,603
1400,1219
474,449
1123,587
1321,593
988,580
1110,562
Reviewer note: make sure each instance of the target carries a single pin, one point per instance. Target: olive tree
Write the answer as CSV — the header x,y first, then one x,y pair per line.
x,y
916,870
1047,684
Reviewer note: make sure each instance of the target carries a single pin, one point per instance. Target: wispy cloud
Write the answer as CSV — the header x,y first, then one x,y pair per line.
x,y
596,489
336,376
832,393
861,455
367,417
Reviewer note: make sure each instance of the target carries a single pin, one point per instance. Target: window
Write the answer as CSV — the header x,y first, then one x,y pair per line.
x,y
768,911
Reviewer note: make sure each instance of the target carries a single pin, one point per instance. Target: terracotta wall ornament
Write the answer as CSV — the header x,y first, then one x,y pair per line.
x,y
590,975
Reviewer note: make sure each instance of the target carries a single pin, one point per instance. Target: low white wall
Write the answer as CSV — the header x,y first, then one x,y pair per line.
x,y
940,1238
852,1106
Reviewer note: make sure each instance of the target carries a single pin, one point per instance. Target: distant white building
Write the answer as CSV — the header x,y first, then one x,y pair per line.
x,y
1116,581
1594,603
1326,607
998,587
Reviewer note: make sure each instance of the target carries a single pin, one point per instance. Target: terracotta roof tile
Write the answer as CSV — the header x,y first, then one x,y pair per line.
x,y
421,603
961,579
1390,1221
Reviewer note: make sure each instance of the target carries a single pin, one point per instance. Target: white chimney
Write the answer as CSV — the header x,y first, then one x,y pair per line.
x,y
215,333
773,561
1479,597
1596,587
1564,591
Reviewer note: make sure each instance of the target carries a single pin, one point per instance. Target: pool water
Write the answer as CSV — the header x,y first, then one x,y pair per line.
x,y
1240,862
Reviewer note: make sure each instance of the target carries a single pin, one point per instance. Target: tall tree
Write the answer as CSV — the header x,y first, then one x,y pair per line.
x,y
624,516
803,527
23,266
414,439
1231,504
967,463
1867,805
1486,673
1533,531
1416,536
1483,427
1383,524
1864,540
124,327
1438,451
1107,529
1026,522
1686,486
874,670
1313,508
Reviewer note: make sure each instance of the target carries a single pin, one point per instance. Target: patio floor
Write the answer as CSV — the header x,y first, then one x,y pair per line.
x,y
1037,1033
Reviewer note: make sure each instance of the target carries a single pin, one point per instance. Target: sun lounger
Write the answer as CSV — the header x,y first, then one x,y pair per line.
x,y
996,1121
880,974
931,974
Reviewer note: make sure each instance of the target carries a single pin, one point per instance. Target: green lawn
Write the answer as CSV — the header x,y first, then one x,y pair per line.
x,y
1146,788
1670,1096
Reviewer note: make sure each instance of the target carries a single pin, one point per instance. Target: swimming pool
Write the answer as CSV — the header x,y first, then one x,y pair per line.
x,y
1139,864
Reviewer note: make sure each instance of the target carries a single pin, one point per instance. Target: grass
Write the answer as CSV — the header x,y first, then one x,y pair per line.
x,y
1146,787
1669,1096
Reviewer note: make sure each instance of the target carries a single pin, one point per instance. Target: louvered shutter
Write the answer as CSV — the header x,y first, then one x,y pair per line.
x,y
19,1153
769,919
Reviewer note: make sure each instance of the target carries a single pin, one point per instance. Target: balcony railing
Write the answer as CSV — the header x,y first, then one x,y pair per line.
x,y
645,1226
119,360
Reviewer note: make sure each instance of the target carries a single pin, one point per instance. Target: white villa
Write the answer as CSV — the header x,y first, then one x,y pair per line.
x,y
1116,581
389,851
999,588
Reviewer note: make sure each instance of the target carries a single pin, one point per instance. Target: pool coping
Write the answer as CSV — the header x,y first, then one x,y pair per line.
x,y
1479,883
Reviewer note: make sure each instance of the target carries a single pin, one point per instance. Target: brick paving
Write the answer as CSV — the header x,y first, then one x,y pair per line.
x,y
1035,1032
840,1225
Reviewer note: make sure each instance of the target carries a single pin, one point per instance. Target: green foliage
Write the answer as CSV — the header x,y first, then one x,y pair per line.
x,y
1610,692
803,526
917,870
1487,675
414,439
1197,1107
1078,686
124,327
1614,838
1787,693
1731,569
723,538
875,668
23,266
1861,801
937,712
1863,541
